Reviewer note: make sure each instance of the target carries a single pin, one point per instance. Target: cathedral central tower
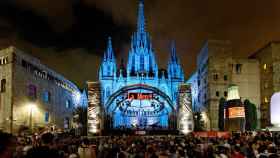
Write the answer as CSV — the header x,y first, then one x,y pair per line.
x,y
141,59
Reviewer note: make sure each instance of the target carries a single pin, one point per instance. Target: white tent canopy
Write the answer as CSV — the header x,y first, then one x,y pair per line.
x,y
275,109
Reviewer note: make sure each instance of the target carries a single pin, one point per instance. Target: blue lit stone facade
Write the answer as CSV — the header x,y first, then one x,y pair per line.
x,y
139,94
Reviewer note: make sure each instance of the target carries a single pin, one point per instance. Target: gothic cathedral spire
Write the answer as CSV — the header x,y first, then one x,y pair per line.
x,y
109,54
108,66
141,58
141,18
175,70
173,57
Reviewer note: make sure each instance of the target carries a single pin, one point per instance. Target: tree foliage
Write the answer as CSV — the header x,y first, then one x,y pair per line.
x,y
221,113
251,115
80,118
198,122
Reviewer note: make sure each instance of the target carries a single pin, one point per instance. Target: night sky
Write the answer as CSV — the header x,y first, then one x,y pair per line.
x,y
70,35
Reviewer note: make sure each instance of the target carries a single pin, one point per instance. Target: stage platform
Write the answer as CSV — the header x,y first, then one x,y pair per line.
x,y
120,132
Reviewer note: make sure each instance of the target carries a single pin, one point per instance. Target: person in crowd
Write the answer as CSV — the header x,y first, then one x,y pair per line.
x,y
65,145
44,150
236,153
85,150
7,145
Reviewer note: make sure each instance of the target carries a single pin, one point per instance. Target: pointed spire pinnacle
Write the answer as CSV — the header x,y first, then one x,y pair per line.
x,y
84,100
110,53
141,17
173,52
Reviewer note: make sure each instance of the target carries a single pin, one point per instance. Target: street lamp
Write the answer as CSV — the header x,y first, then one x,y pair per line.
x,y
31,108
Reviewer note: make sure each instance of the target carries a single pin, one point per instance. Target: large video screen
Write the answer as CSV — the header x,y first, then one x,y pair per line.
x,y
140,109
236,112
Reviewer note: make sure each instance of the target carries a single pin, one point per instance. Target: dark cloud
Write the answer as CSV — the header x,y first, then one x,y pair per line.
x,y
70,31
89,27
67,48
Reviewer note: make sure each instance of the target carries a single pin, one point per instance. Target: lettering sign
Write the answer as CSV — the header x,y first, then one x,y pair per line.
x,y
185,109
94,120
140,132
236,112
212,134
140,96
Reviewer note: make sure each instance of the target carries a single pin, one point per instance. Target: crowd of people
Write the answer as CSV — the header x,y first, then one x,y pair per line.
x,y
50,145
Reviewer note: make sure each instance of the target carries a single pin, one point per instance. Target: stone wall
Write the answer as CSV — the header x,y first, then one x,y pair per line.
x,y
217,69
5,95
213,65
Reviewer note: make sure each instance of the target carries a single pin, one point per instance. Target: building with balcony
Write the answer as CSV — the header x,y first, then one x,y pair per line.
x,y
32,94
216,70
269,68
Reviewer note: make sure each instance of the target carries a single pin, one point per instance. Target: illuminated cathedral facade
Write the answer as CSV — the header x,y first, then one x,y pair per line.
x,y
138,94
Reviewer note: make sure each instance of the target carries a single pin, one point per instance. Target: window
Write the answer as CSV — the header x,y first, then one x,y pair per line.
x,y
175,95
103,93
265,100
217,93
67,104
142,62
47,117
108,92
108,70
133,73
265,85
225,93
24,63
225,77
66,122
238,68
232,67
3,60
3,85
175,72
32,91
46,96
190,126
264,67
215,77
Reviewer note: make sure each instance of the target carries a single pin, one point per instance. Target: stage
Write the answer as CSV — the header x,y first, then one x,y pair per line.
x,y
121,132
138,95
